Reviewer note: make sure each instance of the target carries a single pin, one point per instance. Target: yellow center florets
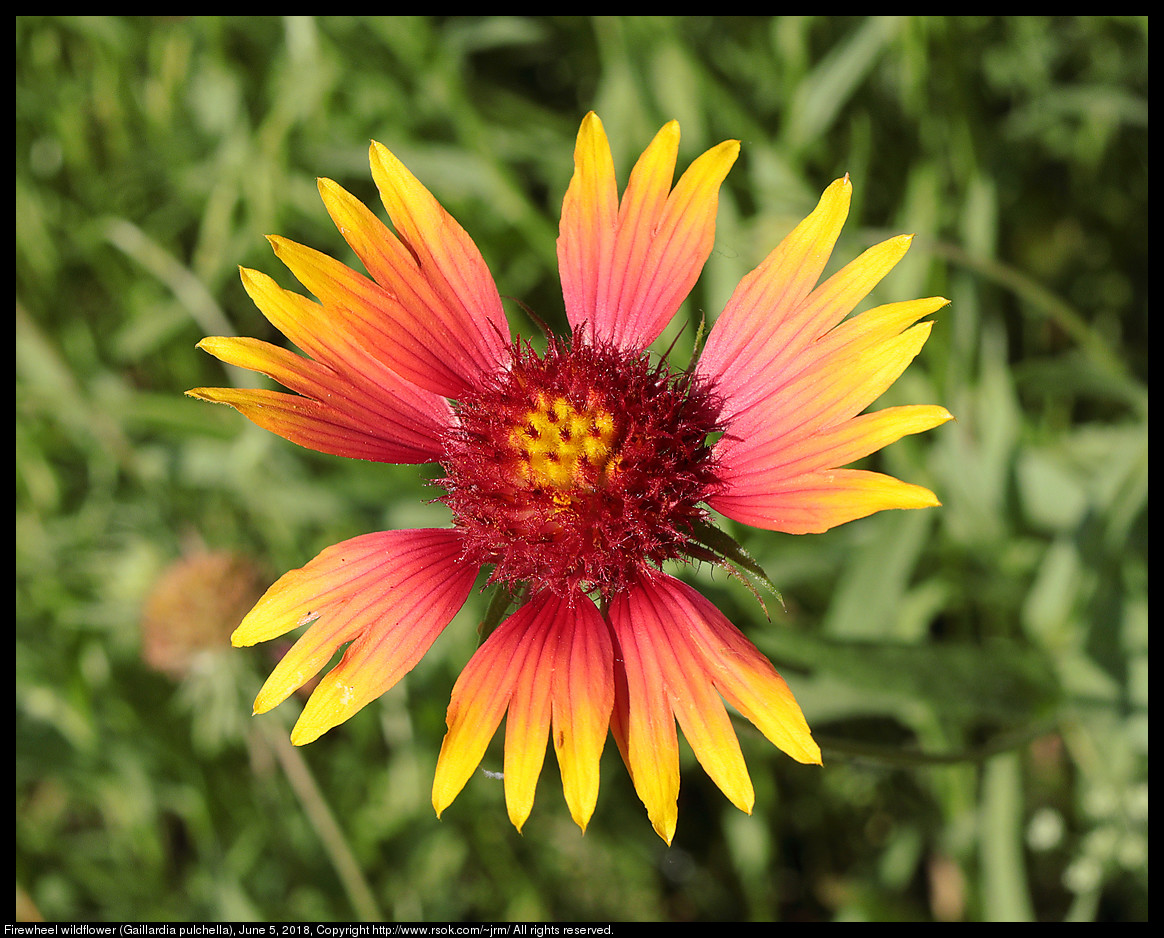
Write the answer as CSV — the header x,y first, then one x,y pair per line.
x,y
563,448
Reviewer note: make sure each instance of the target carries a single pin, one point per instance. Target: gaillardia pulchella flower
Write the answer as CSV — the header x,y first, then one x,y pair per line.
x,y
575,473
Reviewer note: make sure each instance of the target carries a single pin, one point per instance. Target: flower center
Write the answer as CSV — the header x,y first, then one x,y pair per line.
x,y
577,468
564,448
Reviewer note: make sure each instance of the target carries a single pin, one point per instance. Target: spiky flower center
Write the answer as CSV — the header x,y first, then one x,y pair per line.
x,y
577,468
564,449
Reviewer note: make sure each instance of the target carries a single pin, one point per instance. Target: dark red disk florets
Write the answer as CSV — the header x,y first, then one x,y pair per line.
x,y
577,468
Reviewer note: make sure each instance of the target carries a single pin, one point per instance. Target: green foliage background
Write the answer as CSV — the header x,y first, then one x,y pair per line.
x,y
977,674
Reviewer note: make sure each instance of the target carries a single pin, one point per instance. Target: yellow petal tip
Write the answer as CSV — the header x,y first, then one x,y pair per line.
x,y
302,735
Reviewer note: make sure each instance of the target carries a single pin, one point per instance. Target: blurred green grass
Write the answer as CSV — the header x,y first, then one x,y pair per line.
x,y
977,674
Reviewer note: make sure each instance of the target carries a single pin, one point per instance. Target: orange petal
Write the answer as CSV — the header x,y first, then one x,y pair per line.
x,y
836,366
661,630
479,700
446,259
816,501
527,720
778,457
643,721
583,689
333,415
432,316
390,594
549,663
335,338
624,276
757,468
802,419
759,339
589,225
310,424
757,375
639,215
794,378
738,670
377,321
677,651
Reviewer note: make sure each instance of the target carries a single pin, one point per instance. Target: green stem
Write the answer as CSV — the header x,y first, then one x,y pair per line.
x,y
320,817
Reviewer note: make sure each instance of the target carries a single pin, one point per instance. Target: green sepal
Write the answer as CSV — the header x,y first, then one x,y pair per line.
x,y
710,543
500,602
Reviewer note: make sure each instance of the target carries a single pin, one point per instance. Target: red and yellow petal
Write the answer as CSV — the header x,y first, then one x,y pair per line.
x,y
814,409
643,721
817,501
777,464
375,317
527,718
583,696
548,665
679,656
626,268
755,469
388,594
756,321
588,225
783,336
305,422
328,413
479,700
833,389
746,679
440,322
840,373
333,338
794,379
447,260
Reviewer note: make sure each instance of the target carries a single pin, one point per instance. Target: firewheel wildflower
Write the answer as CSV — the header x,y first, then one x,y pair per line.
x,y
574,473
